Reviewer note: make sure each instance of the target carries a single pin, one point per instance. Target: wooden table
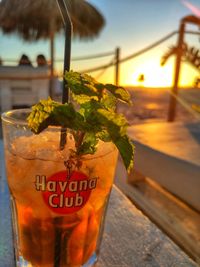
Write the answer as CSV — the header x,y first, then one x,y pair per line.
x,y
129,240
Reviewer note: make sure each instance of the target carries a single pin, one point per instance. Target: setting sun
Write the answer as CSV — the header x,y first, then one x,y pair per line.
x,y
149,73
154,75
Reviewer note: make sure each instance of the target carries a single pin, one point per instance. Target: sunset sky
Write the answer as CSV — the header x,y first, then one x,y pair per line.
x,y
131,25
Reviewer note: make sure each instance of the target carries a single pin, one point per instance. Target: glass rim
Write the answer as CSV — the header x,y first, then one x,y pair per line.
x,y
10,118
7,116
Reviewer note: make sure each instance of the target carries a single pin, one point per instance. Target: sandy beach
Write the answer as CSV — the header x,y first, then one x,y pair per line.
x,y
151,105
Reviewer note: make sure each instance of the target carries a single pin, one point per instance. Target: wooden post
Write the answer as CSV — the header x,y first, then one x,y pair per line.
x,y
117,62
173,101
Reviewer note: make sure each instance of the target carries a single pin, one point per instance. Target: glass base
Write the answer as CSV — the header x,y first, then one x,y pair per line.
x,y
92,260
90,263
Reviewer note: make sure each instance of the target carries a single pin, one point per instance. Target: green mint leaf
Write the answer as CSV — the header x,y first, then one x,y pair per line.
x,y
119,92
116,127
108,102
126,150
49,112
89,144
115,124
81,84
88,111
90,107
104,136
81,99
93,119
38,120
66,116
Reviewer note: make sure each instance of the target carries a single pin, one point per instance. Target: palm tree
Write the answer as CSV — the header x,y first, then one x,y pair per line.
x,y
182,52
190,55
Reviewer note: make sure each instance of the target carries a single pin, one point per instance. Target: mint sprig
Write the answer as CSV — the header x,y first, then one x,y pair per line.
x,y
94,118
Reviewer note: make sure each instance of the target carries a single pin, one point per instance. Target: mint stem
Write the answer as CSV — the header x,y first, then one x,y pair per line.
x,y
63,135
79,141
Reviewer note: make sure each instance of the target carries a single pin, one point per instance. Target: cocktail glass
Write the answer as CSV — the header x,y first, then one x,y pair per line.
x,y
58,202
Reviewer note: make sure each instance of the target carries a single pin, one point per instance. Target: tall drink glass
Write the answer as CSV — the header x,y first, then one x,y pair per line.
x,y
58,204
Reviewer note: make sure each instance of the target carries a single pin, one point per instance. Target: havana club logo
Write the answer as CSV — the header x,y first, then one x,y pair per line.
x,y
64,193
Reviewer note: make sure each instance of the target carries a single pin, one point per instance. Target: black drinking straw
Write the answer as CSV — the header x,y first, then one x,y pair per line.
x,y
65,98
67,52
67,56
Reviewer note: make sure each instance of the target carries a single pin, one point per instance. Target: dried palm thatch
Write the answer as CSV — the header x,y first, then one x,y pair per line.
x,y
41,19
33,20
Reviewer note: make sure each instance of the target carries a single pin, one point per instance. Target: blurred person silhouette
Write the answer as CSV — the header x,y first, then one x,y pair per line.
x,y
1,61
24,61
41,60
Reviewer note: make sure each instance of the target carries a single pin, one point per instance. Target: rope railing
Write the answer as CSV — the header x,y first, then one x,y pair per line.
x,y
94,56
105,54
113,62
140,52
104,70
79,58
185,105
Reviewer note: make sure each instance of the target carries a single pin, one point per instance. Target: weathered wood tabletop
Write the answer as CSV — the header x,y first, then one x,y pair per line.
x,y
169,153
178,139
129,240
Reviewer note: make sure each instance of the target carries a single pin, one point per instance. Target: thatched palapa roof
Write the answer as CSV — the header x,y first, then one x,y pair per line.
x,y
32,19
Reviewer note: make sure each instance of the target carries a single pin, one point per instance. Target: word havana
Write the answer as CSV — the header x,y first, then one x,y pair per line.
x,y
63,194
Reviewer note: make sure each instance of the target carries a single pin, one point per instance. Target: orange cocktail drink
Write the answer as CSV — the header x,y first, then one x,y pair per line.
x,y
58,203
